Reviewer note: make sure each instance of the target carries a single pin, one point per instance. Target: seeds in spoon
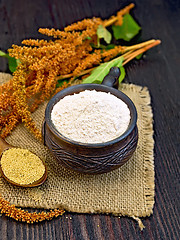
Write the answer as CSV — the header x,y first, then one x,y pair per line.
x,y
21,166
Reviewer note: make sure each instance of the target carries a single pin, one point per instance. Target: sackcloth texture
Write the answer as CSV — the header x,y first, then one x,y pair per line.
x,y
127,191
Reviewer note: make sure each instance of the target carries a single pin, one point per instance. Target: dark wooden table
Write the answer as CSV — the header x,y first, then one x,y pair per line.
x,y
159,70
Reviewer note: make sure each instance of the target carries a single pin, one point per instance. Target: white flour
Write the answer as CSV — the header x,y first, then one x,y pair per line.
x,y
91,116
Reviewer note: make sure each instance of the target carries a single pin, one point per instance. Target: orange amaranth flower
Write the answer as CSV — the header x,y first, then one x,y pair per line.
x,y
42,61
20,215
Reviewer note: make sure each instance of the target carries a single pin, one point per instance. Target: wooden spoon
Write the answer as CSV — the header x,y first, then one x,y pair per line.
x,y
5,146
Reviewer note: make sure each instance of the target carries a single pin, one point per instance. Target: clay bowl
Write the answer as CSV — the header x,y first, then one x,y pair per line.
x,y
90,158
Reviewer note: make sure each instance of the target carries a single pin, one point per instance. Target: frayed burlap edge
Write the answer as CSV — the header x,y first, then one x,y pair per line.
x,y
149,148
149,177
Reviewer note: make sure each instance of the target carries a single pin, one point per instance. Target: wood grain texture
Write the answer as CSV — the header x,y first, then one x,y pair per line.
x,y
158,70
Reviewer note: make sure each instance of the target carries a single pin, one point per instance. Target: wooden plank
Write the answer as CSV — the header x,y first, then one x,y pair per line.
x,y
158,70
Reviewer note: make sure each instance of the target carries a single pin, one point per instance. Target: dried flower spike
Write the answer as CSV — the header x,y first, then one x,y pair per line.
x,y
20,215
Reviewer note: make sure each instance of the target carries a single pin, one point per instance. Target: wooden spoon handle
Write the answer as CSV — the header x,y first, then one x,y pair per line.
x,y
3,145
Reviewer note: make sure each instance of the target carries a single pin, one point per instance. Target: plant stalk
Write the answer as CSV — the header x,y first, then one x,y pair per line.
x,y
131,52
140,51
124,11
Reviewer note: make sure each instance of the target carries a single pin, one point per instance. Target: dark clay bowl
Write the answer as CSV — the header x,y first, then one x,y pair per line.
x,y
90,158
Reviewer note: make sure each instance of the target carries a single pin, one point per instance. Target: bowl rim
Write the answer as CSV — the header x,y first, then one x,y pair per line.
x,y
82,87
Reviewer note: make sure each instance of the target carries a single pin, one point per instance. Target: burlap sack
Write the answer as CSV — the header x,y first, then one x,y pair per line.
x,y
127,191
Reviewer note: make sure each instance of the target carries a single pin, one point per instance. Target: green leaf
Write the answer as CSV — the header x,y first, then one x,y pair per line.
x,y
88,38
122,75
127,30
2,54
139,56
96,82
110,46
12,62
102,32
102,70
60,82
107,47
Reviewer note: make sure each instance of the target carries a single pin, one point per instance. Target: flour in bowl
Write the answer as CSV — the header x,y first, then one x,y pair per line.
x,y
91,116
